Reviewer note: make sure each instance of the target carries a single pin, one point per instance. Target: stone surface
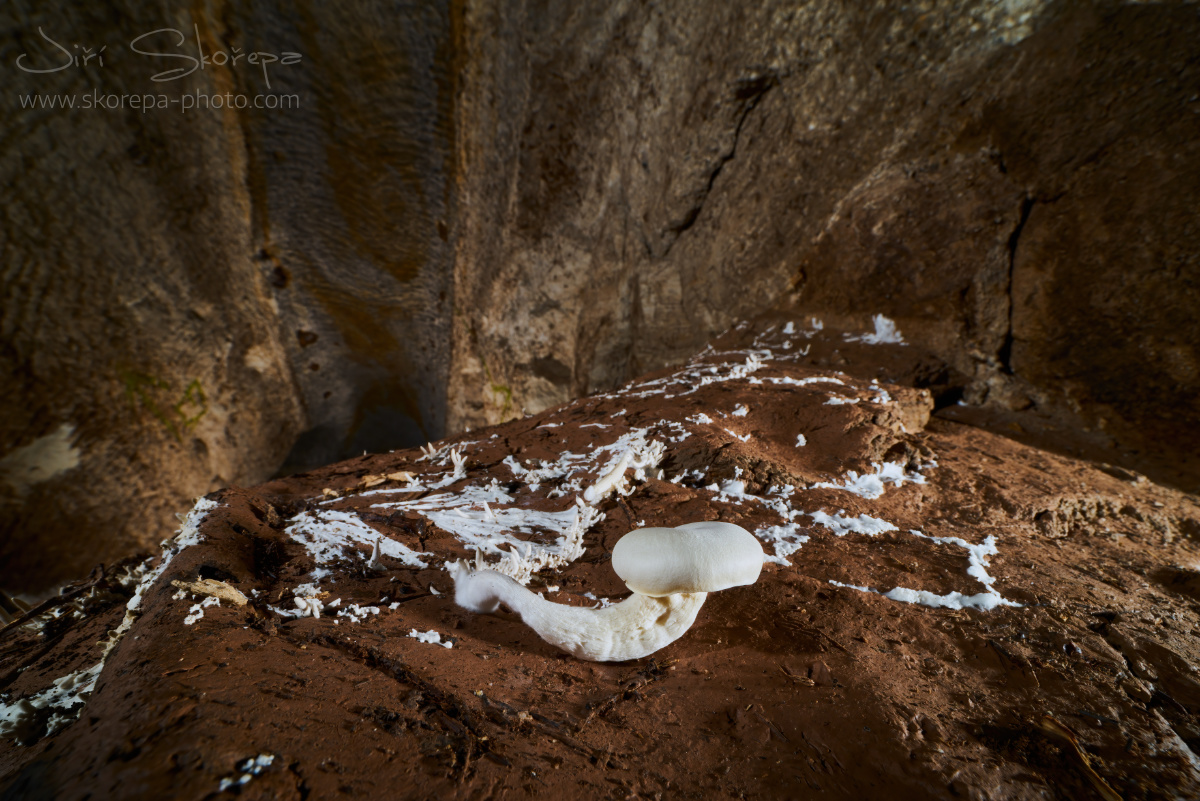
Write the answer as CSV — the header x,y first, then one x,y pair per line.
x,y
1012,184
193,299
486,207
1069,670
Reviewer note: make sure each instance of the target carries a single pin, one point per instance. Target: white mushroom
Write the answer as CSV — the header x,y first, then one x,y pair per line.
x,y
309,606
612,479
373,564
670,570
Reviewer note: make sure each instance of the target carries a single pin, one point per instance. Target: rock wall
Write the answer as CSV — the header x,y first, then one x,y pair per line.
x,y
1012,184
192,300
475,209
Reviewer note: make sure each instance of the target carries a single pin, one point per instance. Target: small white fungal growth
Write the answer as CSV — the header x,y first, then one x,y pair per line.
x,y
247,770
373,564
493,530
613,479
602,603
431,637
442,454
885,332
881,394
327,534
356,613
739,437
632,450
803,382
67,696
977,557
307,603
984,601
197,611
671,572
309,607
841,525
460,465
786,538
675,432
69,693
872,485
522,565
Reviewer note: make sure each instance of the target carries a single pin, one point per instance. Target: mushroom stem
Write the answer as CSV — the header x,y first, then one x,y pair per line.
x,y
636,627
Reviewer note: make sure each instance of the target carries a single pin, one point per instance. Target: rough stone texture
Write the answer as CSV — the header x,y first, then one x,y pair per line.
x,y
794,687
1014,185
490,206
354,202
190,297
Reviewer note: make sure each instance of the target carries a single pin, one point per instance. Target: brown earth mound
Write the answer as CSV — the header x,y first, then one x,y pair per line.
x,y
944,613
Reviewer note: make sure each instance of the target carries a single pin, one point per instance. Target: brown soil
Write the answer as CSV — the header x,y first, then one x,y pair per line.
x,y
790,687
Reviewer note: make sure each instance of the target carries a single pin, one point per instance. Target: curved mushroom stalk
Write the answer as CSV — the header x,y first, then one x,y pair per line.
x,y
636,627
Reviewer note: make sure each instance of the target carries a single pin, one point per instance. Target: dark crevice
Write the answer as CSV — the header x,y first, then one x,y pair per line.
x,y
1005,354
748,93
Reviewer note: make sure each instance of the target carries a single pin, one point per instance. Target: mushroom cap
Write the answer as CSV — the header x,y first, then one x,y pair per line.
x,y
696,557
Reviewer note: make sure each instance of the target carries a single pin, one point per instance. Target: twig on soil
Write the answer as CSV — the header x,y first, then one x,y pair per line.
x,y
821,634
1054,728
651,673
58,600
506,715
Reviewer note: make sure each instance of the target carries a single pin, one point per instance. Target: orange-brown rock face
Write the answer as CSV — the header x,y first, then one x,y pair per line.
x,y
943,612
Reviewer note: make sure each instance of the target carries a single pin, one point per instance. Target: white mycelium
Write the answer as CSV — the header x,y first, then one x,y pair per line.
x,y
247,769
327,534
885,332
431,637
197,611
68,695
977,556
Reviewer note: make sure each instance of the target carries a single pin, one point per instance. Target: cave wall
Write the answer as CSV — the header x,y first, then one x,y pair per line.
x,y
196,300
641,176
486,207
1013,183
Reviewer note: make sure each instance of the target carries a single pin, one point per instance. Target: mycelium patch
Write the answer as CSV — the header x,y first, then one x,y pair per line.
x,y
977,556
885,333
326,535
68,695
